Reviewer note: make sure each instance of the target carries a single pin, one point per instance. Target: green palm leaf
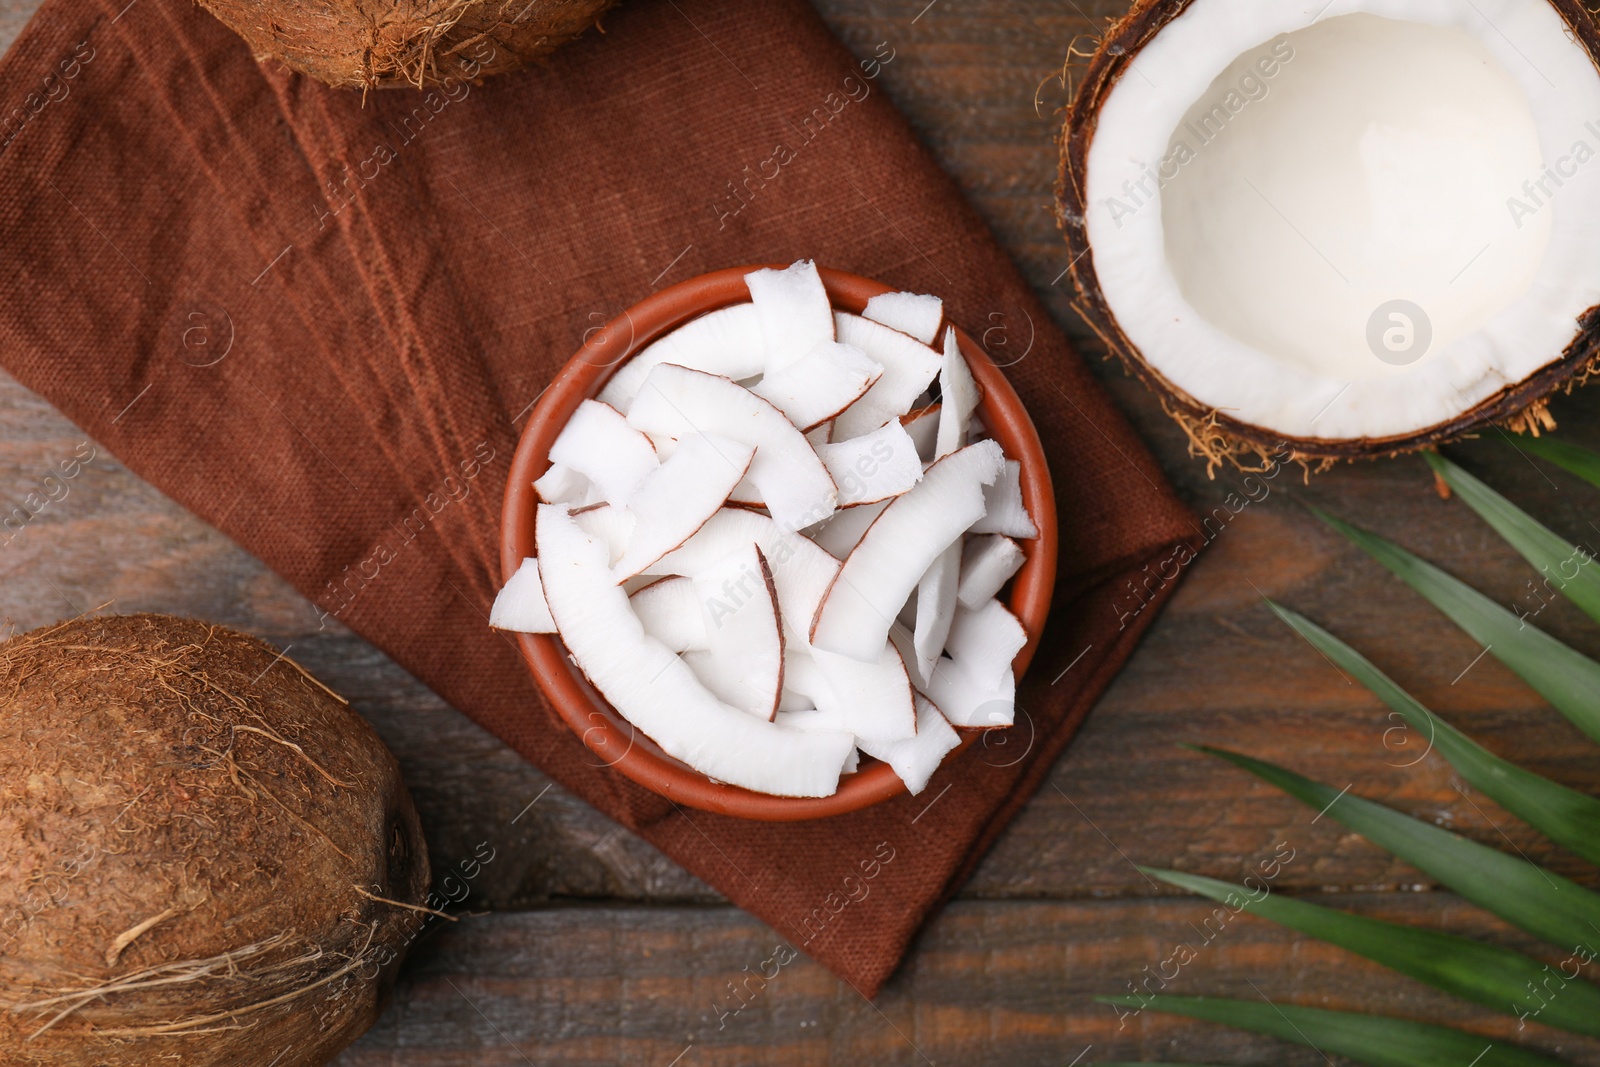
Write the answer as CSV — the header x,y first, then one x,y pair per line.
x,y
1570,458
1569,680
1546,905
1551,554
1566,816
1495,977
1373,1039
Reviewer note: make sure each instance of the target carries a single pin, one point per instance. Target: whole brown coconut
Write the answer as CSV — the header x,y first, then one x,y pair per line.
x,y
206,858
381,44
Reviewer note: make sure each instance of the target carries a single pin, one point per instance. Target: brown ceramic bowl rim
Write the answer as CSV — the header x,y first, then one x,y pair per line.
x,y
620,745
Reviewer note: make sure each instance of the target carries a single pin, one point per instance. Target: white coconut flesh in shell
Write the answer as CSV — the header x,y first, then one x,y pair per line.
x,y
694,539
1351,228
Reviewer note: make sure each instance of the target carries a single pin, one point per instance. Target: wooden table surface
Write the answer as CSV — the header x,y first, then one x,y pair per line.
x,y
589,947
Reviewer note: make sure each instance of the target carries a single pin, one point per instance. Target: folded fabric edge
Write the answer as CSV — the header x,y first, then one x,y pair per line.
x,y
1104,672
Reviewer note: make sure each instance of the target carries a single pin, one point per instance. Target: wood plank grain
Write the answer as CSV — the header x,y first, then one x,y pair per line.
x,y
990,983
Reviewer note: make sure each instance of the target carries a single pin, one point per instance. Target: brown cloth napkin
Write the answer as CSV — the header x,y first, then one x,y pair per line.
x,y
320,327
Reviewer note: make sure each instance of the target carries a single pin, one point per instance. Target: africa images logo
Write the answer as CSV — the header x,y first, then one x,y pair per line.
x,y
1399,332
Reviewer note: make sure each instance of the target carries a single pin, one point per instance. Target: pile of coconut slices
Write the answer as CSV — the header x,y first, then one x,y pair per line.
x,y
771,551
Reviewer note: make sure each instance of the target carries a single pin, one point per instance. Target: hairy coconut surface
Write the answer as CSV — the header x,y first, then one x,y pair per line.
x,y
381,44
206,857
1213,434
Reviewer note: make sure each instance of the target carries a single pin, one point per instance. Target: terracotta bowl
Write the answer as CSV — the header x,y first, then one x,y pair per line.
x,y
616,742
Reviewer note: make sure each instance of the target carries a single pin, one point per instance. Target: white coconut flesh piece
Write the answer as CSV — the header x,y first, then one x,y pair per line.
x,y
908,368
809,719
936,607
681,497
974,684
665,446
803,678
598,443
874,466
908,614
898,549
936,592
614,527
670,612
812,719
872,700
743,661
1004,511
958,398
820,384
915,314
917,757
983,642
611,525
563,485
987,564
726,342
792,700
792,482
844,530
969,703
657,691
734,684
904,641
794,311
801,571
1359,230
520,604
922,426
875,695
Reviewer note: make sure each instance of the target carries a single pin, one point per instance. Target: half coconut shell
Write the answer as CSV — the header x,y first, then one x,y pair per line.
x,y
1213,433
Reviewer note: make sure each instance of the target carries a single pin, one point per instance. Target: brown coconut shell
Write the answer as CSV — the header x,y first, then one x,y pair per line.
x,y
1213,435
383,44
207,859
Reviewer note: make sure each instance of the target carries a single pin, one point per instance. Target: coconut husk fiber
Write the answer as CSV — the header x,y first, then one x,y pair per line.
x,y
206,857
359,44
320,326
